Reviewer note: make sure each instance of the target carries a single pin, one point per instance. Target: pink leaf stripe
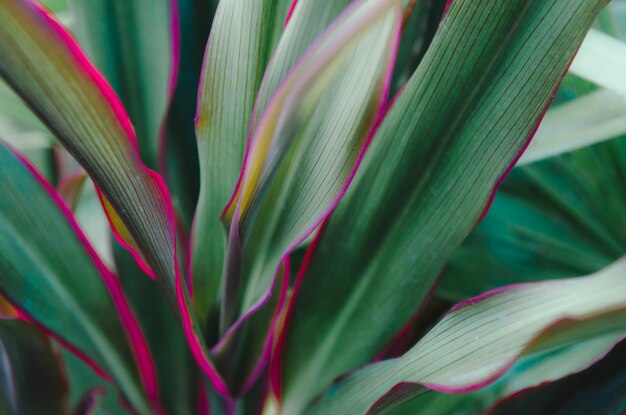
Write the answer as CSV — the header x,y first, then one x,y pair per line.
x,y
129,145
138,343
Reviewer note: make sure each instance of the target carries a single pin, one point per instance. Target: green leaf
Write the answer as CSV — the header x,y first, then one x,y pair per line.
x,y
178,375
450,136
237,53
419,23
600,390
30,377
134,43
47,68
593,118
305,149
547,221
602,60
50,272
489,333
82,380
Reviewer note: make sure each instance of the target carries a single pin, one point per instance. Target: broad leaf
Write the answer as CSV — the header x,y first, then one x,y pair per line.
x,y
31,381
481,338
51,273
444,146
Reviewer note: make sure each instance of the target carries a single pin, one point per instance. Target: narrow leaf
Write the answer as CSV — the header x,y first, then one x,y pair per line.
x,y
602,60
305,150
447,141
235,59
585,121
51,273
135,46
481,338
47,68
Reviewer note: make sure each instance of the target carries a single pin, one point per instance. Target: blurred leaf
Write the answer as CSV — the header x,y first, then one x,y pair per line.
x,y
134,43
49,271
595,117
479,340
83,380
30,377
180,149
446,142
602,60
421,19
599,390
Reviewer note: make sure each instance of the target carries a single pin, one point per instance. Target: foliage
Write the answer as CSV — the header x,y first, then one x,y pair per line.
x,y
269,206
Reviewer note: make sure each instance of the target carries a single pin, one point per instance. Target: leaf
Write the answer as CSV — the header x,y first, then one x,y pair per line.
x,y
235,59
446,143
600,390
489,333
135,46
30,377
602,60
304,151
593,118
50,272
95,128
179,150
83,381
178,376
547,221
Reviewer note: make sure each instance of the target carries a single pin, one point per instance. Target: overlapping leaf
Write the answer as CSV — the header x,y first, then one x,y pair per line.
x,y
48,69
30,377
237,52
52,274
481,338
600,389
451,134
135,46
304,150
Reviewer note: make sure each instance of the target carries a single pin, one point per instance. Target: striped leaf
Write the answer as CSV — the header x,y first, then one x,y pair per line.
x,y
237,52
50,272
451,135
481,338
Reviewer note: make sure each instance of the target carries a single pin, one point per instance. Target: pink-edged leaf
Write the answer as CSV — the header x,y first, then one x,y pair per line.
x,y
448,140
51,273
239,46
45,65
302,155
135,45
481,338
